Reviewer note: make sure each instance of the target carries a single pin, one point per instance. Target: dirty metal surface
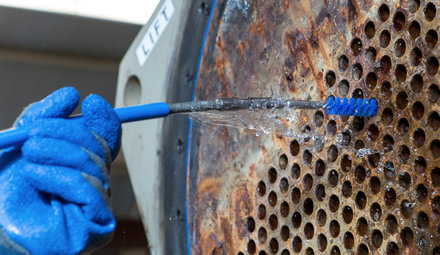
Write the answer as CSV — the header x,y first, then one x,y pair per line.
x,y
341,185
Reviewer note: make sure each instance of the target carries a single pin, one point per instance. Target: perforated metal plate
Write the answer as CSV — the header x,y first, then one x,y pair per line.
x,y
342,185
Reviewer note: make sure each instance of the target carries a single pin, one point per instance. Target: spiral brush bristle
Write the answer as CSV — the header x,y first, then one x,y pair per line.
x,y
351,107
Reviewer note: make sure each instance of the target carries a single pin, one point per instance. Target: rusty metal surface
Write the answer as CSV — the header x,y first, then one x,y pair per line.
x,y
342,185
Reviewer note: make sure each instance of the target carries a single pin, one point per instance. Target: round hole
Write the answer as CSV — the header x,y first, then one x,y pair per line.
x,y
373,132
399,47
297,244
371,80
388,143
308,206
356,46
392,249
384,12
319,144
417,83
419,137
391,224
296,219
362,250
416,56
402,100
334,228
370,30
357,72
346,163
284,185
319,167
318,118
296,171
284,209
261,212
272,198
330,78
435,177
362,226
320,192
403,126
359,144
307,182
404,180
273,222
384,38
251,247
321,217
347,189
347,214
387,116
374,184
294,148
251,224
422,220
343,88
385,64
435,148
434,120
370,56
273,245
390,196
399,21
309,230
360,173
133,91
432,66
309,251
433,93
421,193
406,208
261,188
346,138
400,73
331,128
375,211
376,238
361,200
435,205
307,157
404,153
389,171
262,235
322,242
333,203
333,178
357,125
348,240
420,165
414,29
343,63
407,236
335,250
429,12
283,161
272,174
413,5
431,38
296,195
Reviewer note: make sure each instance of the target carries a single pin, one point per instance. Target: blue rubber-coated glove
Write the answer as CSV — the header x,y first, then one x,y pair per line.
x,y
54,188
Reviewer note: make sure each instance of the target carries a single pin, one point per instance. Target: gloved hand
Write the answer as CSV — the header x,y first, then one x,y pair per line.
x,y
54,188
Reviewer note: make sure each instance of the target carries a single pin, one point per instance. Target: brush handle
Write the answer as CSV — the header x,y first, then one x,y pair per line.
x,y
13,137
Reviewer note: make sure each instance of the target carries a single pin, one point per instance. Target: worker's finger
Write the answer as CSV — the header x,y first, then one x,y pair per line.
x,y
56,152
70,130
70,187
59,104
100,117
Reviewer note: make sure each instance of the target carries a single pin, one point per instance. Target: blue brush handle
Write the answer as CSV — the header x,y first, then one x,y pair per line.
x,y
12,137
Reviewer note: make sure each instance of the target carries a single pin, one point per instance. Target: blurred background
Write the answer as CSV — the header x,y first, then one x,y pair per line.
x,y
47,44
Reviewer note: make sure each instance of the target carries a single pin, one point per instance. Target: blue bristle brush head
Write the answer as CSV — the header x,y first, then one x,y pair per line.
x,y
351,107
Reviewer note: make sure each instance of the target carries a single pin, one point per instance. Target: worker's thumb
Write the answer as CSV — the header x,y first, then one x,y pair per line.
x,y
59,104
100,117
